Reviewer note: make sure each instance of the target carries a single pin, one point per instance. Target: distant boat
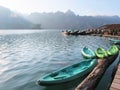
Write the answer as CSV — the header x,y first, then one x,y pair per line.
x,y
88,53
113,50
68,73
114,41
101,53
66,32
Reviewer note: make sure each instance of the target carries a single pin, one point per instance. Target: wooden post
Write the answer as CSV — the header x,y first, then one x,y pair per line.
x,y
94,77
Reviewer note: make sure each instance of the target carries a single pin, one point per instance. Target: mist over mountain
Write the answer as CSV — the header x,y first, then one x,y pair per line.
x,y
69,20
57,20
11,20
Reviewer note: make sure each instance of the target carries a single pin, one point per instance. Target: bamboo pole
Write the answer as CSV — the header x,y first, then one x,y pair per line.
x,y
94,77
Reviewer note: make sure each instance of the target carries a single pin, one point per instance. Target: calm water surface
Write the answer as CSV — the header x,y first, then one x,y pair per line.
x,y
25,56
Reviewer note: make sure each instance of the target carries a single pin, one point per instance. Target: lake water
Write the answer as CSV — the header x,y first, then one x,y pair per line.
x,y
26,55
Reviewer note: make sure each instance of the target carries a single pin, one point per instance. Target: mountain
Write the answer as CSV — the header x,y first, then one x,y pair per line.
x,y
57,20
11,20
69,20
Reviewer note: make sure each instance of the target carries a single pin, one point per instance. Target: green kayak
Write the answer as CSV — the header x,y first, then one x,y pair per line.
x,y
112,50
88,53
101,53
68,73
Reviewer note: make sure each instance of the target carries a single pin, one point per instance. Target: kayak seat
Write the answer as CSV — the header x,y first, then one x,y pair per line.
x,y
54,74
64,70
76,65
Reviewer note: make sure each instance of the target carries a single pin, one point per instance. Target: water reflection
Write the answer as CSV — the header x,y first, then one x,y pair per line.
x,y
5,32
25,57
66,86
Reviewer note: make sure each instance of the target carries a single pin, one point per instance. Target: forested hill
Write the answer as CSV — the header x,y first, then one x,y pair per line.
x,y
12,20
69,20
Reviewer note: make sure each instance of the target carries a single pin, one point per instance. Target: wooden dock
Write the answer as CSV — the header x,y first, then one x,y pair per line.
x,y
116,81
92,80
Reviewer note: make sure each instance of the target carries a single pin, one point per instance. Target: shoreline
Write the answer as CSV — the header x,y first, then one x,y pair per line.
x,y
109,36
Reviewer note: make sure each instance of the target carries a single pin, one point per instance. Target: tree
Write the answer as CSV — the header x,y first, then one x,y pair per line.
x,y
37,26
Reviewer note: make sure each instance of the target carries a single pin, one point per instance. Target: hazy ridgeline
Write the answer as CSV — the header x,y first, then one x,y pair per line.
x,y
57,20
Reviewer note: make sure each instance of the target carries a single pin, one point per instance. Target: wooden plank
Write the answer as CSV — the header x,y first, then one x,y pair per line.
x,y
117,73
115,85
116,81
118,70
117,76
119,66
113,88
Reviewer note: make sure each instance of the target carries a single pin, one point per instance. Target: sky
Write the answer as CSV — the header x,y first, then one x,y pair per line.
x,y
81,7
